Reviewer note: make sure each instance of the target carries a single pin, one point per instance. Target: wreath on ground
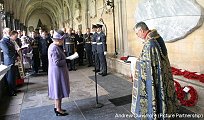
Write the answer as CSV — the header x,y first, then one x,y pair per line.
x,y
186,95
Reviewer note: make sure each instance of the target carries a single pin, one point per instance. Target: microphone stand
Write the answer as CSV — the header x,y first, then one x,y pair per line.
x,y
98,105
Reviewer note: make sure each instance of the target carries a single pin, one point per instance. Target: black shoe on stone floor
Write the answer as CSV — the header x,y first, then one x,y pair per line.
x,y
61,113
96,70
100,73
18,91
104,74
12,94
34,74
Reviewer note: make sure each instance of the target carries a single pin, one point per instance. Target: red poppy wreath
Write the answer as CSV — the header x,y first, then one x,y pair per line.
x,y
187,95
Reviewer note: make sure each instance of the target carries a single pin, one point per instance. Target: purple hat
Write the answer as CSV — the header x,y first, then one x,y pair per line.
x,y
58,36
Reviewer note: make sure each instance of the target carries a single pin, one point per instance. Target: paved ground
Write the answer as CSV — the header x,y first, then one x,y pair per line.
x,y
33,104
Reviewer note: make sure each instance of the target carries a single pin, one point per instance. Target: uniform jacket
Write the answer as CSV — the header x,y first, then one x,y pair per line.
x,y
101,42
93,39
43,46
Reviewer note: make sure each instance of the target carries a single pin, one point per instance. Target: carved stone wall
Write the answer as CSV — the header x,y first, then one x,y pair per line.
x,y
92,8
77,8
174,19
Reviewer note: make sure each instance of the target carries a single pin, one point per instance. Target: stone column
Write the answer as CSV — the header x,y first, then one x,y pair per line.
x,y
87,14
11,21
122,28
21,26
8,23
15,24
25,28
2,23
18,24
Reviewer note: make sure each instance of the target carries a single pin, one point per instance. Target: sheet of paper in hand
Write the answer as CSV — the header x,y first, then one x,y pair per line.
x,y
24,46
30,55
3,70
72,57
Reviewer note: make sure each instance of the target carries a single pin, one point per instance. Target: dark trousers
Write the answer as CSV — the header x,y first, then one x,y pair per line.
x,y
35,63
11,80
103,63
96,61
89,56
89,53
71,63
80,51
44,59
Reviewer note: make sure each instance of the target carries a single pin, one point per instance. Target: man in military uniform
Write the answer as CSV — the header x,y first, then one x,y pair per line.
x,y
101,50
69,47
94,48
88,46
35,46
80,47
43,48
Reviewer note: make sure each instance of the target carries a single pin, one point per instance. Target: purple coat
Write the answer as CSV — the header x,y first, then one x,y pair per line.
x,y
58,77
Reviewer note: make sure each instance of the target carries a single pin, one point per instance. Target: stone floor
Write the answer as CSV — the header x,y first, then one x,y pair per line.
x,y
33,103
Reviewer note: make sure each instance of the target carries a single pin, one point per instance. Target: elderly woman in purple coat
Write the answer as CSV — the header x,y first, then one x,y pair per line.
x,y
58,77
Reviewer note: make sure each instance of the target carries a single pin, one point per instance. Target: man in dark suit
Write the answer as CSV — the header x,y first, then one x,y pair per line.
x,y
35,59
44,43
10,56
80,47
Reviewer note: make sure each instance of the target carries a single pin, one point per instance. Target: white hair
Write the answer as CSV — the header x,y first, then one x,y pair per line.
x,y
6,30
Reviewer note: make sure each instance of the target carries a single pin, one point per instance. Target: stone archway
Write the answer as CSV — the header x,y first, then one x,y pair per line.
x,y
40,15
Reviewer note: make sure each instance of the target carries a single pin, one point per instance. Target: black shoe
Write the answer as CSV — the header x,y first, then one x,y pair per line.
x,y
12,94
70,69
96,70
89,65
104,74
18,91
100,73
34,74
61,113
